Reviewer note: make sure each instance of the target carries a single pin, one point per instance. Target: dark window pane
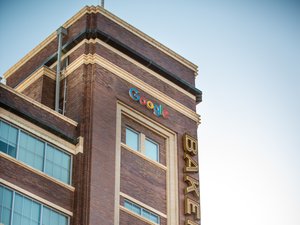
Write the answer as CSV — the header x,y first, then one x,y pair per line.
x,y
8,139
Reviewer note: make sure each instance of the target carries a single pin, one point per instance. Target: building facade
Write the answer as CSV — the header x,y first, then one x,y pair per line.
x,y
121,148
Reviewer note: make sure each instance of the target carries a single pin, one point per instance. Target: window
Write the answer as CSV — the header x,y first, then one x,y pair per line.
x,y
137,141
132,139
35,152
151,149
8,139
141,211
26,211
5,205
57,164
51,217
31,151
16,209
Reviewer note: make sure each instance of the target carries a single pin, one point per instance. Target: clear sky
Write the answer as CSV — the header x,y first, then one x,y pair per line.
x,y
248,53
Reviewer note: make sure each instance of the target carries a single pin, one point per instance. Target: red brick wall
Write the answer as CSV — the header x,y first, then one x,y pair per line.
x,y
36,184
143,181
34,91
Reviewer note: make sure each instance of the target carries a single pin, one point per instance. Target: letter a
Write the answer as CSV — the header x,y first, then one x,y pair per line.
x,y
191,166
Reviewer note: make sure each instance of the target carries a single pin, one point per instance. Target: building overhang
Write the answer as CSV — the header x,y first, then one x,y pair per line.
x,y
38,114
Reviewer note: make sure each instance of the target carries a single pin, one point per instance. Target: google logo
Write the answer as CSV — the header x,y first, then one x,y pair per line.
x,y
158,110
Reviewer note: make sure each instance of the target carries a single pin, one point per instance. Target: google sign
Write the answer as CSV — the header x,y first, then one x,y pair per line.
x,y
157,109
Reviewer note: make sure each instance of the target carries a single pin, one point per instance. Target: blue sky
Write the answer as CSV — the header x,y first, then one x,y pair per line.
x,y
248,53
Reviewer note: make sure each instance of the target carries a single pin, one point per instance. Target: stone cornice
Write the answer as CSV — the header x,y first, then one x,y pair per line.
x,y
35,76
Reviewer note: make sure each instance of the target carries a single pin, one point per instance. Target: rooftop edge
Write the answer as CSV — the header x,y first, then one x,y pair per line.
x,y
98,9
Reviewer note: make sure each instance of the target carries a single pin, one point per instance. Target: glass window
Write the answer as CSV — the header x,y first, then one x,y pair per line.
x,y
35,153
150,216
26,211
151,150
139,142
141,211
51,217
132,207
5,205
127,205
154,218
58,164
132,139
31,151
8,139
146,214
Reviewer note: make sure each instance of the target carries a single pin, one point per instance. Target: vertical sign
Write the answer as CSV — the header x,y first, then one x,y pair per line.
x,y
191,191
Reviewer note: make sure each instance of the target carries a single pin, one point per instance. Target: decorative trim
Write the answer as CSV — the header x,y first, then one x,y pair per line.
x,y
143,205
39,105
84,41
98,41
161,166
118,165
41,133
98,9
34,77
38,172
79,146
172,170
96,59
35,197
148,39
136,215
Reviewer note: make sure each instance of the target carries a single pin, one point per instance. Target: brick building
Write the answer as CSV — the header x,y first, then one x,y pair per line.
x,y
118,145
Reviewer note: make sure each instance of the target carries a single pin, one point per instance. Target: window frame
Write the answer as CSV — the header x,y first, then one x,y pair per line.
x,y
46,143
171,147
42,205
142,143
141,209
139,144
17,138
158,148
